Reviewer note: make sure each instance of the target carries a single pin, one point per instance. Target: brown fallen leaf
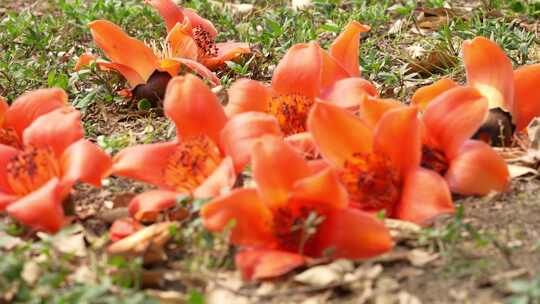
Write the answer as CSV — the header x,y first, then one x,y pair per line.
x,y
325,275
402,230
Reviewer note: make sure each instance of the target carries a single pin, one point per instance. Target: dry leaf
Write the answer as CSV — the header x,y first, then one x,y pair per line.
x,y
396,27
235,8
402,230
325,275
301,4
167,297
420,258
520,171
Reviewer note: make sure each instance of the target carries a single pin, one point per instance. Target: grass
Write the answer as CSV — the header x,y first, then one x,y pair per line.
x,y
40,43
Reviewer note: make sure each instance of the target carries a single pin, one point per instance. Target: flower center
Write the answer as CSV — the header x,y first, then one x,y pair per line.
x,y
8,137
291,112
31,169
193,161
434,159
373,184
204,41
294,227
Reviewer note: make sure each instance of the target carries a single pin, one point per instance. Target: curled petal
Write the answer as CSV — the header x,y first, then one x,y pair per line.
x,y
121,48
256,264
169,11
423,96
398,136
198,68
83,161
373,109
242,130
7,153
144,162
193,108
453,117
247,95
349,93
56,130
220,181
31,105
182,45
226,51
41,209
123,227
321,190
477,169
338,133
351,234
253,220
425,196
147,205
527,95
299,71
304,143
132,77
345,49
490,71
276,168
84,60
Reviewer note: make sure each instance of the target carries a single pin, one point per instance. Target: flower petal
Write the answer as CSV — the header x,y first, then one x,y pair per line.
x,y
424,95
31,105
132,77
226,51
425,196
121,48
197,21
398,137
256,264
198,68
345,49
490,71
247,95
349,93
477,169
181,44
6,154
147,205
122,228
373,109
4,107
351,234
144,162
84,60
56,130
242,130
527,95
253,220
41,209
453,117
83,161
299,71
305,144
221,180
276,168
169,11
193,108
6,200
338,133
321,190
332,71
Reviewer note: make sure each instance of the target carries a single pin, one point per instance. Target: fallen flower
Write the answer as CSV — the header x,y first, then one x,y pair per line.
x,y
293,215
123,227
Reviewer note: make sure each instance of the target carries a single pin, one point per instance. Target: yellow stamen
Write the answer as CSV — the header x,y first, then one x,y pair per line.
x,y
291,112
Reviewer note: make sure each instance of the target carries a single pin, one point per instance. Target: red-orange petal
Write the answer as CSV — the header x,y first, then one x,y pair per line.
x,y
322,190
305,144
527,95
132,77
351,234
453,117
345,49
373,109
41,209
299,71
424,95
31,105
477,169
4,107
144,162
332,71
196,67
6,154
338,133
84,60
247,95
84,161
122,228
56,130
226,51
242,130
398,137
197,21
350,92
193,108
425,196
220,181
276,168
181,43
253,220
490,71
147,205
169,11
6,200
257,264
119,47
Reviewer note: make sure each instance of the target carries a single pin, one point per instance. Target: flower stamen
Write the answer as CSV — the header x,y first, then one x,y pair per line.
x,y
291,112
31,169
205,42
434,159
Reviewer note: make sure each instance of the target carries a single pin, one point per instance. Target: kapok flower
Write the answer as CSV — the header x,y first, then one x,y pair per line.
x,y
38,172
380,167
146,70
196,36
207,153
293,215
489,70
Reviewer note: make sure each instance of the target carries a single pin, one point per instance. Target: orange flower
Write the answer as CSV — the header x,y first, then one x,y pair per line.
x,y
123,227
489,70
49,156
195,36
207,153
292,215
380,167
146,70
